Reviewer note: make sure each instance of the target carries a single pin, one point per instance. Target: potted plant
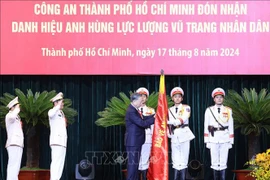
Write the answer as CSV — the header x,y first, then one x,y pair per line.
x,y
251,114
261,165
34,115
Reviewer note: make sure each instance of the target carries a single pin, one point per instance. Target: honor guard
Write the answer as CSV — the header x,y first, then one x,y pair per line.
x,y
181,134
218,133
146,147
58,136
15,139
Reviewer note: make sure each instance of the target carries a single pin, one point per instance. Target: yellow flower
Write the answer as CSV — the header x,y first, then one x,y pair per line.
x,y
262,166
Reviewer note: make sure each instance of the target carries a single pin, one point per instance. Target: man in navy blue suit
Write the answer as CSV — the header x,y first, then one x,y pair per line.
x,y
136,124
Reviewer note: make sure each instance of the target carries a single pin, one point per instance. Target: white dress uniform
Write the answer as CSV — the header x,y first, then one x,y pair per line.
x,y
222,141
14,142
58,139
146,147
181,135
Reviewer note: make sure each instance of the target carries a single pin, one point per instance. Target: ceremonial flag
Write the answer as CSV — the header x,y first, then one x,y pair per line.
x,y
158,167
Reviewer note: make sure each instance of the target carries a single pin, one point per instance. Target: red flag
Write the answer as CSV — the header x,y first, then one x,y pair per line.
x,y
158,167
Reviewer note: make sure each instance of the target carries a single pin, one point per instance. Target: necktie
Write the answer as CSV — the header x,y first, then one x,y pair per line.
x,y
176,110
140,113
142,110
218,110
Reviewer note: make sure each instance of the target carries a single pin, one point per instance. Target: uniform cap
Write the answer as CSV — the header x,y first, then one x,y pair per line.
x,y
57,97
143,90
13,102
218,91
177,90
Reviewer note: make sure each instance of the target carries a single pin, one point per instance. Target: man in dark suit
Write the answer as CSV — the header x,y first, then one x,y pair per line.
x,y
136,124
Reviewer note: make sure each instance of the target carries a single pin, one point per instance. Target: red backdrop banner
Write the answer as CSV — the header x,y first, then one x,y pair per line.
x,y
135,37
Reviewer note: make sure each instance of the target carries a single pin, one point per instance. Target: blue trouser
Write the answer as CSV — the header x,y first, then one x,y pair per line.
x,y
133,153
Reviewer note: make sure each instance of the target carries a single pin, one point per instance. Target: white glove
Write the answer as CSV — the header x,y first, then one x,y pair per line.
x,y
170,122
206,139
208,145
169,135
17,110
176,122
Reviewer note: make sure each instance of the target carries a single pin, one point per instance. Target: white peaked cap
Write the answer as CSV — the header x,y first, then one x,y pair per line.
x,y
13,102
218,91
177,90
143,90
57,97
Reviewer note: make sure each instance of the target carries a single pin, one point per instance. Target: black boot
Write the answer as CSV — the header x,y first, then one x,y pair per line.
x,y
216,174
183,174
222,174
144,174
176,174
